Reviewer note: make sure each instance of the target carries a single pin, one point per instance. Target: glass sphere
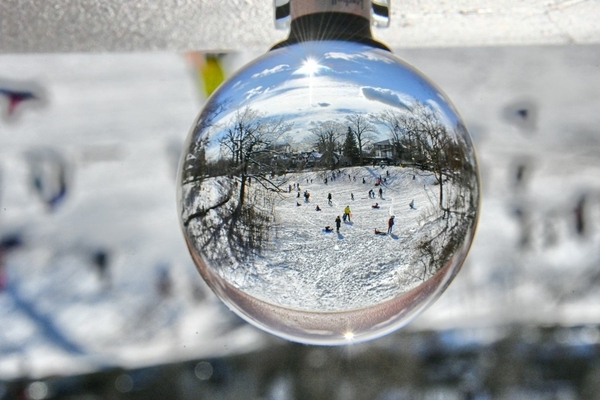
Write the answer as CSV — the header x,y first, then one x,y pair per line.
x,y
328,192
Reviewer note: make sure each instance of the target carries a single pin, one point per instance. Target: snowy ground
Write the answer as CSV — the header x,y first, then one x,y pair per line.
x,y
118,118
303,266
353,268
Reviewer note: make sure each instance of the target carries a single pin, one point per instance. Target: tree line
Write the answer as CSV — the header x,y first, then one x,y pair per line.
x,y
250,146
250,141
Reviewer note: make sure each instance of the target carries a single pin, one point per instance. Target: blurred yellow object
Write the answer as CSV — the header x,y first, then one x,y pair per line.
x,y
207,70
212,73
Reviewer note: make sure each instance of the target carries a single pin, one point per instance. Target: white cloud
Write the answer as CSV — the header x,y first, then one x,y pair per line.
x,y
253,92
341,56
278,68
367,55
385,96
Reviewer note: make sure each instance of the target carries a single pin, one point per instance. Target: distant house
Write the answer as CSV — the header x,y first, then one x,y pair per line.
x,y
384,149
298,159
387,151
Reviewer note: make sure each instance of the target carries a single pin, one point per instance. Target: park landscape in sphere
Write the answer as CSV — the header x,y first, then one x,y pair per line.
x,y
301,123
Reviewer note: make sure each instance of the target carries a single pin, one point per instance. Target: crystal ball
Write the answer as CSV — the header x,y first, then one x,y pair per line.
x,y
328,192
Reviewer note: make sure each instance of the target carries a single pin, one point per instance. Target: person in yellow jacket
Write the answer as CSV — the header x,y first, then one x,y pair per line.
x,y
347,213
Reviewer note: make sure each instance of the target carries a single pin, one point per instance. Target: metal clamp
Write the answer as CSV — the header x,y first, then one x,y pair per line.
x,y
380,13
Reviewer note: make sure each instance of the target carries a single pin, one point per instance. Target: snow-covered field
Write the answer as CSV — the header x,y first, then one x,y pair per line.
x,y
304,266
353,268
119,119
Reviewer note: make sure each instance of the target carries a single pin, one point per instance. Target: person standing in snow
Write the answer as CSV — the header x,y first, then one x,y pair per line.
x,y
338,223
347,212
380,193
390,225
329,199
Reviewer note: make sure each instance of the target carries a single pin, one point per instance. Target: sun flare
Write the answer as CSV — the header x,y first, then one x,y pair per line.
x,y
310,66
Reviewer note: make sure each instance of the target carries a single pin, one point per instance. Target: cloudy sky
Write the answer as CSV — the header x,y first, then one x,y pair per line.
x,y
315,82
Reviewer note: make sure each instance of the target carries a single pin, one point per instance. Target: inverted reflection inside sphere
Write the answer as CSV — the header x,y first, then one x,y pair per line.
x,y
328,192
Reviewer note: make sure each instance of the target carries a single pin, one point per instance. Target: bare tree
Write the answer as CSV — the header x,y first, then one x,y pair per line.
x,y
362,129
327,140
400,137
447,233
441,150
195,167
429,143
235,220
434,139
249,140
